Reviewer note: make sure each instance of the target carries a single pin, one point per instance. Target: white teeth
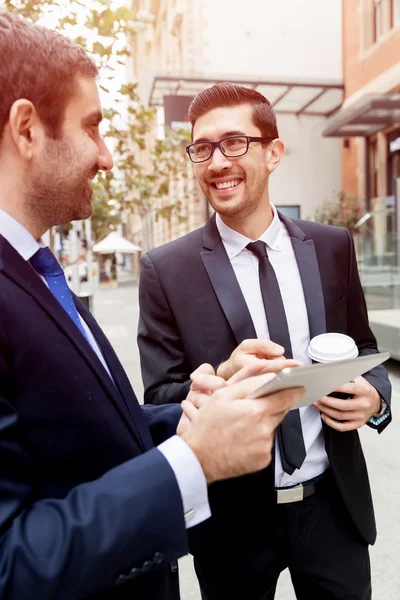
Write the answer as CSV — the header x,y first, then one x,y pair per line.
x,y
227,184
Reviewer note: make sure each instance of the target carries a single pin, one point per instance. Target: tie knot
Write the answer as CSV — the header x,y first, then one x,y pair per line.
x,y
258,248
45,263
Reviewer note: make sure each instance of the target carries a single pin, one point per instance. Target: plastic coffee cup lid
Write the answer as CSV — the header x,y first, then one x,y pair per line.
x,y
329,347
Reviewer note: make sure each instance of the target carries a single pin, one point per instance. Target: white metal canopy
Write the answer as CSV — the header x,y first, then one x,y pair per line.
x,y
315,97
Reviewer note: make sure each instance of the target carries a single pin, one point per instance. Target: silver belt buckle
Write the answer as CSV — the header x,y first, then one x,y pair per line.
x,y
293,494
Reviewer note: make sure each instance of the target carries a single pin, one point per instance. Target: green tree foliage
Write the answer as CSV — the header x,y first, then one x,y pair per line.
x,y
103,30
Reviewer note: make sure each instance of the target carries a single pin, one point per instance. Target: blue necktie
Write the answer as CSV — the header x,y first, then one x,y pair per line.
x,y
46,264
289,432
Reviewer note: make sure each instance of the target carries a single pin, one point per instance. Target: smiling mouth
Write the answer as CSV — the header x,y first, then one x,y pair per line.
x,y
224,185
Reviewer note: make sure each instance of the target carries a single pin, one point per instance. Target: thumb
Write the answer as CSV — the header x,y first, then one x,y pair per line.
x,y
204,368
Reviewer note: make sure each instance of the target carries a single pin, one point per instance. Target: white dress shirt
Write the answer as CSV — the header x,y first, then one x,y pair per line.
x,y
282,258
183,462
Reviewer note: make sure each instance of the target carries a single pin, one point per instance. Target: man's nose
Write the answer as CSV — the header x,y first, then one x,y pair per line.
x,y
105,161
219,161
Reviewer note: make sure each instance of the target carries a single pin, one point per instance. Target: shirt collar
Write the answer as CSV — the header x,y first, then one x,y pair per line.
x,y
19,237
235,242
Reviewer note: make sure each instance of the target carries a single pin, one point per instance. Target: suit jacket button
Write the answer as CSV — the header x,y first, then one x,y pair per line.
x,y
158,558
133,572
121,579
147,565
173,566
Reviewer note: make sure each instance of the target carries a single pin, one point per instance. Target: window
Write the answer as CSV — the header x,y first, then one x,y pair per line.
x,y
374,166
378,19
291,212
395,10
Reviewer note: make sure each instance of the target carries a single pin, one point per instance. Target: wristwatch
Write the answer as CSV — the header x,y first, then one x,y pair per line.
x,y
382,410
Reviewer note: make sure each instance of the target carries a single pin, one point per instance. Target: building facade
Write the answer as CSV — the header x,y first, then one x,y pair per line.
x,y
271,47
369,125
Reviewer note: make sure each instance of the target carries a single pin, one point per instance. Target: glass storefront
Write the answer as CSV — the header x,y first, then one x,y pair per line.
x,y
378,251
378,241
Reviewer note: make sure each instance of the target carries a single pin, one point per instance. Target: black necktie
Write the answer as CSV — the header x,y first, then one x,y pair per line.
x,y
290,434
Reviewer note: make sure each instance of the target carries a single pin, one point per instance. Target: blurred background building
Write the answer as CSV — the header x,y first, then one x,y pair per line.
x,y
369,125
332,73
289,50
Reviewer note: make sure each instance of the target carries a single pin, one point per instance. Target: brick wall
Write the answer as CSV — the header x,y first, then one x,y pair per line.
x,y
360,66
362,63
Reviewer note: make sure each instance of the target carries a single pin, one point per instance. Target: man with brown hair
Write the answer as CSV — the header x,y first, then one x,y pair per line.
x,y
216,295
82,466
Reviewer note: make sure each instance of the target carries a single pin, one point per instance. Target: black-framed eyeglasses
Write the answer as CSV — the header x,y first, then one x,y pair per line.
x,y
236,145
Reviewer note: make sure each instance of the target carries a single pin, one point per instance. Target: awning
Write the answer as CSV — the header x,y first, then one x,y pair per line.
x,y
365,117
292,96
115,243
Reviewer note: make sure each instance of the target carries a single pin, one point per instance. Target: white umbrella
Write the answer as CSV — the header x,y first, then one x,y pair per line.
x,y
115,243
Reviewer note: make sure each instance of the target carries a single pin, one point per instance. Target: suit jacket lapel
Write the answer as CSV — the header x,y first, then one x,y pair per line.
x,y
118,373
307,263
21,272
225,284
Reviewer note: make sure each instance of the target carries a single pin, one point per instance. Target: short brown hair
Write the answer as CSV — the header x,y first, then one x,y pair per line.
x,y
39,65
230,94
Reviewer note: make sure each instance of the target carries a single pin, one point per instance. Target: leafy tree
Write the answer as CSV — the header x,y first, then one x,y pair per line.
x,y
144,168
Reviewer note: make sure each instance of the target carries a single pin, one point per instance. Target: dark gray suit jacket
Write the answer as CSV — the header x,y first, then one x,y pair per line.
x,y
193,311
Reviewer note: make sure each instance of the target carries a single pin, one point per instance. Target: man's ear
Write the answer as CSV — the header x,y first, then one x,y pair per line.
x,y
23,123
274,154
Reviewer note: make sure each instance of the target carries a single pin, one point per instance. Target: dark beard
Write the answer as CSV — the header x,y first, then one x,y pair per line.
x,y
56,196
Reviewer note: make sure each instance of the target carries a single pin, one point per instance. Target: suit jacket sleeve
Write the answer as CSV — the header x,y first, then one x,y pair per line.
x,y
162,356
360,331
162,421
79,545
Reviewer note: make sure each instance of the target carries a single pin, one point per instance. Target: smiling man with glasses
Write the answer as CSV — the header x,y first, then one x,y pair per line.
x,y
223,295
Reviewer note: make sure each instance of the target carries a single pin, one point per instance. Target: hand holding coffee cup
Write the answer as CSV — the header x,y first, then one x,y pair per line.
x,y
330,347
352,405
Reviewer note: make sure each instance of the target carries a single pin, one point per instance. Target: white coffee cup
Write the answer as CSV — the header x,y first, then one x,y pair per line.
x,y
329,347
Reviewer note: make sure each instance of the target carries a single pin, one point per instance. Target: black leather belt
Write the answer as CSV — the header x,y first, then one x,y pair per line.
x,y
297,493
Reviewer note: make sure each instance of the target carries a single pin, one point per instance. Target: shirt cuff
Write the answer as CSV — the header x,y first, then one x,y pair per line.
x,y
191,480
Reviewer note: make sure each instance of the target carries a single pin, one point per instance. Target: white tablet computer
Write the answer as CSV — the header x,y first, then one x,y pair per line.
x,y
320,379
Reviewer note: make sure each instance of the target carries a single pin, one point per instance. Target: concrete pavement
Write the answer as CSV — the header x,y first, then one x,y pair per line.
x,y
116,309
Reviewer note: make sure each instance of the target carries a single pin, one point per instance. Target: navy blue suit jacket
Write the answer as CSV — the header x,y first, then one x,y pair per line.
x,y
193,311
88,506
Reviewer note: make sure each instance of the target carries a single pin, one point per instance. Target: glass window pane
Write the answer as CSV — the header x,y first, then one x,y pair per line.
x,y
396,12
378,21
291,212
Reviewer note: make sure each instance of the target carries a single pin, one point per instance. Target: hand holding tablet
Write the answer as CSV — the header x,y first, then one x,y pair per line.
x,y
323,378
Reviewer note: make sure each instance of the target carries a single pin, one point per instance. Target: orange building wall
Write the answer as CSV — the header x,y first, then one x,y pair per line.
x,y
359,68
